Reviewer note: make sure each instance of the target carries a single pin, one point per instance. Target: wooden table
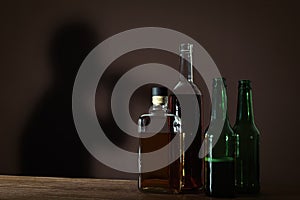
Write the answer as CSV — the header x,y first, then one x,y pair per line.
x,y
31,188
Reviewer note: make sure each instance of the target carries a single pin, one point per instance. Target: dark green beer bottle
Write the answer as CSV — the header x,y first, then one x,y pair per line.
x,y
219,162
247,143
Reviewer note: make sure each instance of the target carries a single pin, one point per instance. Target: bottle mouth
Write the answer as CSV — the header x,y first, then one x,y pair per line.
x,y
186,47
218,80
245,83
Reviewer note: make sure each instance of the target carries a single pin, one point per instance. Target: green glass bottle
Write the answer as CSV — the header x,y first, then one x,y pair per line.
x,y
219,162
247,143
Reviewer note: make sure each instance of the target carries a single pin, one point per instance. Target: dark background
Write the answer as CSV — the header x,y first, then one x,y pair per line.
x,y
43,44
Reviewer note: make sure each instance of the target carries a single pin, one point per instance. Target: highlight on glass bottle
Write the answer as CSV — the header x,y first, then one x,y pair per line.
x,y
219,161
247,143
193,166
158,128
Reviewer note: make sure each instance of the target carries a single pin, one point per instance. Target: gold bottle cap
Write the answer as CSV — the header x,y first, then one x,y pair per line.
x,y
158,100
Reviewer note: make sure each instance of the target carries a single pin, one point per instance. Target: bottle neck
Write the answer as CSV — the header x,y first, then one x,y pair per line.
x,y
159,103
245,108
186,65
219,102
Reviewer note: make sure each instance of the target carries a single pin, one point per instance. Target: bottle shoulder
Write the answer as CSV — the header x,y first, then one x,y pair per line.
x,y
147,117
159,115
227,131
182,87
167,121
246,127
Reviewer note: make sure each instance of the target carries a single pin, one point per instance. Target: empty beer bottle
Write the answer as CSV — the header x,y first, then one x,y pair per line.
x,y
247,143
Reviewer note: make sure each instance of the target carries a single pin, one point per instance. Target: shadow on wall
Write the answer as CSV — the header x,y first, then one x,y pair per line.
x,y
50,144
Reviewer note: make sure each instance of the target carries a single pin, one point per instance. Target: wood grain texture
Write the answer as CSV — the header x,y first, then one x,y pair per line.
x,y
33,188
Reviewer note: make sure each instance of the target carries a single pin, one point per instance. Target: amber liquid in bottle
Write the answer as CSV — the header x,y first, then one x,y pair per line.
x,y
164,180
169,178
193,168
191,116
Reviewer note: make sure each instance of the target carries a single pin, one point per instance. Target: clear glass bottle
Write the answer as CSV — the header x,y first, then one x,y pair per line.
x,y
193,174
169,178
219,162
247,143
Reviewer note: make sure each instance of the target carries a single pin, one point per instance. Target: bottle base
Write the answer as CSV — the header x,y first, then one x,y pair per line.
x,y
159,190
220,195
188,190
248,191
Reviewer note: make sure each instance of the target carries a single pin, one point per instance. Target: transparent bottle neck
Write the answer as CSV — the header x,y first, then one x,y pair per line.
x,y
186,62
219,101
159,103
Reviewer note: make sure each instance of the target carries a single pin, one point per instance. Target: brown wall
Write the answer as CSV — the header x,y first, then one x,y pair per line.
x,y
256,40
